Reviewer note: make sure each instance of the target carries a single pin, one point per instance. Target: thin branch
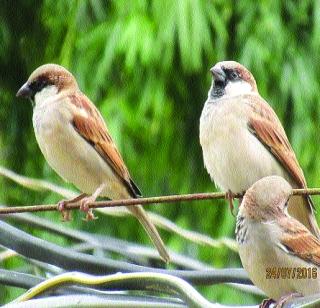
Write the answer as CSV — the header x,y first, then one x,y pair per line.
x,y
115,203
193,236
158,220
36,184
142,201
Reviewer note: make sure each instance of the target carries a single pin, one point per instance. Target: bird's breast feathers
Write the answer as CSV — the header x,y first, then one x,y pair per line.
x,y
233,156
57,138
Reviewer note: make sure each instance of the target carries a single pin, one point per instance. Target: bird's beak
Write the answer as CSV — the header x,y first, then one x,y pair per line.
x,y
25,91
218,74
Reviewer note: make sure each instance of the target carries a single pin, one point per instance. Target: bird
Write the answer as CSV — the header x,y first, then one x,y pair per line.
x,y
280,255
74,139
243,140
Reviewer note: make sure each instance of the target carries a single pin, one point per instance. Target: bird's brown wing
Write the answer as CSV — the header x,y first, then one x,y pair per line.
x,y
91,126
266,126
300,242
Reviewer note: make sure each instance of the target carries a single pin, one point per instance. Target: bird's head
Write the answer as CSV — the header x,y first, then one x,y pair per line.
x,y
266,199
230,78
47,80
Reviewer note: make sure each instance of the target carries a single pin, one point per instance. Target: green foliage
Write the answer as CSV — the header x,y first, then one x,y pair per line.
x,y
145,64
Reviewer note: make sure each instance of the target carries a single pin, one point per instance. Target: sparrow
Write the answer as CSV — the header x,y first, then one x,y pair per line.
x,y
75,141
242,139
280,255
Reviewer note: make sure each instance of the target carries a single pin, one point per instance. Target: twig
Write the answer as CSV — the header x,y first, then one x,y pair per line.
x,y
158,220
35,184
142,201
115,203
193,236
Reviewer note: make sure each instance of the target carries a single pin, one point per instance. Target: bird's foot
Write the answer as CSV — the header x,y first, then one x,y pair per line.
x,y
229,197
84,203
66,214
285,298
266,303
84,206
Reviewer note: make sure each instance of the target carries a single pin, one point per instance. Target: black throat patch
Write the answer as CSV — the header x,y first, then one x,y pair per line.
x,y
218,89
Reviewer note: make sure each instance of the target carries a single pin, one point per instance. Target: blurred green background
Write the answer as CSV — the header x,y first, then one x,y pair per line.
x,y
145,64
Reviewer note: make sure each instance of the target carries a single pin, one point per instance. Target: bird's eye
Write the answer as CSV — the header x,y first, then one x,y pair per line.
x,y
285,208
233,75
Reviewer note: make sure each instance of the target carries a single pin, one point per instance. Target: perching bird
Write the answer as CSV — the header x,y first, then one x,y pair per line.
x,y
243,140
74,139
279,253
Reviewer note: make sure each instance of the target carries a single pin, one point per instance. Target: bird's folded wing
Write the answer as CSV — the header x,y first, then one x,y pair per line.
x,y
266,126
90,125
300,242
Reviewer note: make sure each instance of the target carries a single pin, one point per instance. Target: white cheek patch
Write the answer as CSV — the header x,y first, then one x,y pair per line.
x,y
45,93
234,88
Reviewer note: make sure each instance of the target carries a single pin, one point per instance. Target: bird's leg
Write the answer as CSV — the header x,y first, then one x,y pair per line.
x,y
229,197
285,298
266,303
66,214
84,203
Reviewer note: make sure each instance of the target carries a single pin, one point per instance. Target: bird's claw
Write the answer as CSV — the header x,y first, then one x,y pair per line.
x,y
84,206
229,197
90,216
285,298
66,214
266,303
61,207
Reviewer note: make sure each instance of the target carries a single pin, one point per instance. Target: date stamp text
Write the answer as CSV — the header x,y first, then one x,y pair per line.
x,y
291,273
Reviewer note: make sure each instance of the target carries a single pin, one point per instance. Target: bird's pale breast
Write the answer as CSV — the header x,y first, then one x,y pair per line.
x,y
72,157
260,255
233,156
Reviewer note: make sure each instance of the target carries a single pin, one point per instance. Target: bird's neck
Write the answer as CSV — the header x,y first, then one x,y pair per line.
x,y
231,91
45,94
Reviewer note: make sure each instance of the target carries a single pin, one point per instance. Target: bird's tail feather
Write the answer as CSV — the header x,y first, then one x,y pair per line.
x,y
141,215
